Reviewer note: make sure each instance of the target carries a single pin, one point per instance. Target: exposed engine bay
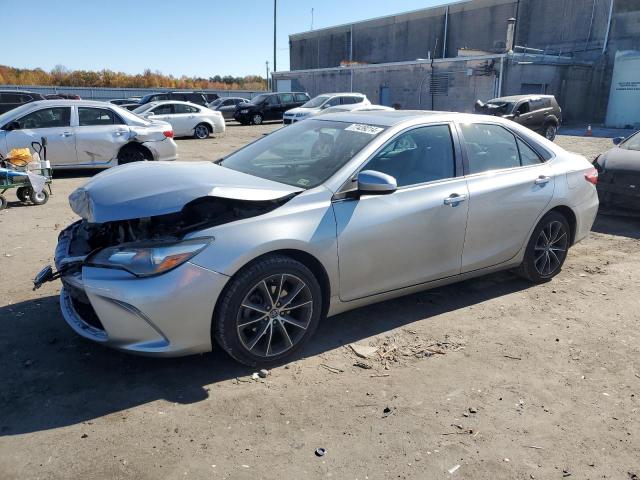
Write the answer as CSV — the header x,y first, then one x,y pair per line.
x,y
201,213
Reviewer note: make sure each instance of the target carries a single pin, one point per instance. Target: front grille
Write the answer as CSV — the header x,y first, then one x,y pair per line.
x,y
287,121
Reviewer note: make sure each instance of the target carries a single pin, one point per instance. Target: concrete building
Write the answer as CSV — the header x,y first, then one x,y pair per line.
x,y
445,57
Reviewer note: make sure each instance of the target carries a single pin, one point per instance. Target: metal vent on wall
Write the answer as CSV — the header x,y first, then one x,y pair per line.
x,y
439,83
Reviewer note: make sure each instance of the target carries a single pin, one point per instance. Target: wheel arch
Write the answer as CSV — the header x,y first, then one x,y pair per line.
x,y
137,146
569,214
209,125
552,120
307,259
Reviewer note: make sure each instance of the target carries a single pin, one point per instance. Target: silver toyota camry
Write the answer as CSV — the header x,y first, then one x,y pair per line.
x,y
252,251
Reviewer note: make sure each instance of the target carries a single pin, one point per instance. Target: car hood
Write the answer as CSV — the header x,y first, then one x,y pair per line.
x,y
621,159
147,189
307,111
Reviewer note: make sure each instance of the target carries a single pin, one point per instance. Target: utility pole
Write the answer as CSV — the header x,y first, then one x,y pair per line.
x,y
311,18
275,8
268,86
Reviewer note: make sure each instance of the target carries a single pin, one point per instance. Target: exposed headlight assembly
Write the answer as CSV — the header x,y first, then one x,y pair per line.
x,y
148,260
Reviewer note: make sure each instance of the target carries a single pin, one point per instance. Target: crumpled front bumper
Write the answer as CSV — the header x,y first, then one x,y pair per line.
x,y
164,315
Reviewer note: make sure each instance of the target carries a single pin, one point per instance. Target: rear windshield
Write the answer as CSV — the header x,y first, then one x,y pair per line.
x,y
304,154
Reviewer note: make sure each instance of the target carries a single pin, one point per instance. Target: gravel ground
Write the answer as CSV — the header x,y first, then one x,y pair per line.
x,y
489,379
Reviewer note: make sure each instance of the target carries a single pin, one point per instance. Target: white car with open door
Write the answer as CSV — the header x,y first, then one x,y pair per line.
x,y
187,119
86,134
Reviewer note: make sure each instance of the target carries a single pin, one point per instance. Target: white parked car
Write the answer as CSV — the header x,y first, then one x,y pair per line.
x,y
322,102
356,107
187,119
86,134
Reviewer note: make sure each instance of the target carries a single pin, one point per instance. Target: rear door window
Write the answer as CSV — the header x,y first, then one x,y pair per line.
x,y
334,102
47,118
489,147
97,116
301,97
527,155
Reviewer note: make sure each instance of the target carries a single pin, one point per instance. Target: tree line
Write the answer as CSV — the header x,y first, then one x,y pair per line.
x,y
60,76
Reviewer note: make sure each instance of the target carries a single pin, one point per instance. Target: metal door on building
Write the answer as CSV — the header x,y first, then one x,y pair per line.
x,y
385,96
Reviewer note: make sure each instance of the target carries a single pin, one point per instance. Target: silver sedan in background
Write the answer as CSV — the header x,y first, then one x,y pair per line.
x,y
324,216
86,134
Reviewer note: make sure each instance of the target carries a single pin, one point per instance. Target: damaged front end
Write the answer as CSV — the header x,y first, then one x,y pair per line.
x,y
82,241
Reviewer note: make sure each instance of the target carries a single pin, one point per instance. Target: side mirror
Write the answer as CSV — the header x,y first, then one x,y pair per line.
x,y
372,182
149,114
11,126
617,140
516,114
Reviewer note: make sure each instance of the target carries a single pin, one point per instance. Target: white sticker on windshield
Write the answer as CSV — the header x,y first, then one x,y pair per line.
x,y
362,128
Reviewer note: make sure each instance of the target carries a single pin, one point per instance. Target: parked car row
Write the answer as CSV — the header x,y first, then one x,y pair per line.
x,y
187,119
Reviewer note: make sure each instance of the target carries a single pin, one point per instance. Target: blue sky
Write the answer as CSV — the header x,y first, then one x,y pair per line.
x,y
225,37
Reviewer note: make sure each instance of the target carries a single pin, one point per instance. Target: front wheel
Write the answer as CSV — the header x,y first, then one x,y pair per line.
x,y
39,198
257,119
550,132
268,311
201,131
547,249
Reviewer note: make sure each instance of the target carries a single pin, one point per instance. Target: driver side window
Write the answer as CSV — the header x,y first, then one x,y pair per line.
x,y
423,154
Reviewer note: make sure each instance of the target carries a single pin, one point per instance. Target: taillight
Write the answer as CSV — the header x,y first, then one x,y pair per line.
x,y
591,176
168,133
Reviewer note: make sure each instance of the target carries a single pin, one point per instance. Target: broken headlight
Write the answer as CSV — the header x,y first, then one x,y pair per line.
x,y
147,260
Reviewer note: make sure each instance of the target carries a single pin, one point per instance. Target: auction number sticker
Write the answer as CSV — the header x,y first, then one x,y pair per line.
x,y
362,128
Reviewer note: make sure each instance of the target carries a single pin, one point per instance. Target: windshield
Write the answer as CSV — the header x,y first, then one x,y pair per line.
x,y
632,143
500,107
144,108
259,99
131,118
316,102
304,154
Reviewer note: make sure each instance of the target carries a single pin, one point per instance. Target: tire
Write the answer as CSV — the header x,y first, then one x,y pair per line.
x,y
3,202
201,131
254,335
133,153
256,119
550,131
39,198
543,259
23,194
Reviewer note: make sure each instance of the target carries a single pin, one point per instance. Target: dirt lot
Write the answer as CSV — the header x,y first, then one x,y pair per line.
x,y
495,376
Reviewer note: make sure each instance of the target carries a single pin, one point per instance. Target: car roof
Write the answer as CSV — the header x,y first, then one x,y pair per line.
x,y
338,94
515,98
387,118
164,102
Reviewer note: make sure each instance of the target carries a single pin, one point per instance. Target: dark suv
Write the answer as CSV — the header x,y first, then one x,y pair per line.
x,y
540,113
193,97
10,99
268,106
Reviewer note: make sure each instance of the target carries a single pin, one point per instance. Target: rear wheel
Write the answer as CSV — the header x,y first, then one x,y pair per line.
x,y
201,131
547,249
550,131
133,153
23,194
268,311
39,198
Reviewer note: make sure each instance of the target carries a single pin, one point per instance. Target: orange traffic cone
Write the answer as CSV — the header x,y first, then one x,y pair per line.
x,y
589,132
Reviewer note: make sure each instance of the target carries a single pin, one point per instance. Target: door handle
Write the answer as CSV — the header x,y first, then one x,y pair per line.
x,y
66,134
120,132
454,199
191,116
542,180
